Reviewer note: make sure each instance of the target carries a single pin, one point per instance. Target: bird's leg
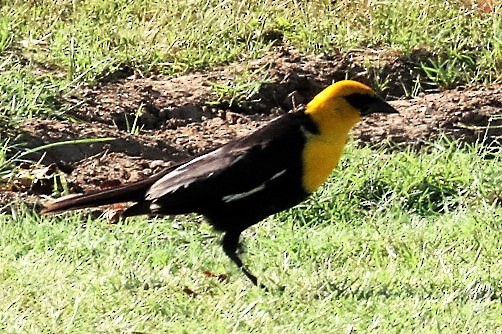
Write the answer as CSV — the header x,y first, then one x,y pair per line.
x,y
230,245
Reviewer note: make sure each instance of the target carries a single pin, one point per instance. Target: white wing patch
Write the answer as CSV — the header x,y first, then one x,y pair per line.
x,y
235,197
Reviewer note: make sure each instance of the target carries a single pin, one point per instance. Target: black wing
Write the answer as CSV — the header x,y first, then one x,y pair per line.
x,y
237,170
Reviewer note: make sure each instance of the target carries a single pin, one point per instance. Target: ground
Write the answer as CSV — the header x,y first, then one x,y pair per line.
x,y
157,121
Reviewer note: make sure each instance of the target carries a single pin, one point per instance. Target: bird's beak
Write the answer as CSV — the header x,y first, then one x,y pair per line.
x,y
379,105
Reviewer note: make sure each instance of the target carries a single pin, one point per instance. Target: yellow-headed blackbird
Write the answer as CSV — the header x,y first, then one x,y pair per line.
x,y
248,179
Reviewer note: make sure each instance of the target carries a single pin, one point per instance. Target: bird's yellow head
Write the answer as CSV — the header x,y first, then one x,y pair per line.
x,y
335,110
340,106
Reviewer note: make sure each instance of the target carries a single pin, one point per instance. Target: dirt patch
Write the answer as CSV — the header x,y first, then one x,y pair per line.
x,y
158,121
468,115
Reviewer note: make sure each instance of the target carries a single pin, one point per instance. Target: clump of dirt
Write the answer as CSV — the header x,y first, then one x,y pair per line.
x,y
158,121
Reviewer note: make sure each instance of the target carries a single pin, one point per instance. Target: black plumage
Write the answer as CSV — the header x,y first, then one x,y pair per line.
x,y
233,186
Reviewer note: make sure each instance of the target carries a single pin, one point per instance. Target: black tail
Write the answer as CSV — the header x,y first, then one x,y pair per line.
x,y
133,192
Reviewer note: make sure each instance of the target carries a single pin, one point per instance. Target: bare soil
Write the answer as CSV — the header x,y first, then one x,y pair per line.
x,y
158,121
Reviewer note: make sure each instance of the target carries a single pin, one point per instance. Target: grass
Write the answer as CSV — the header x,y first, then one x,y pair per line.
x,y
242,89
367,253
395,242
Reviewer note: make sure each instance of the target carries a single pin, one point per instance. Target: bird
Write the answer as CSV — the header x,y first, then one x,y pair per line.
x,y
252,177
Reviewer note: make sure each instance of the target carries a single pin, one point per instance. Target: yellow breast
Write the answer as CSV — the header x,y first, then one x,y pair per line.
x,y
319,160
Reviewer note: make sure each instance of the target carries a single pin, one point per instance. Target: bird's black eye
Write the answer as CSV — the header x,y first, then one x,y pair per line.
x,y
361,101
